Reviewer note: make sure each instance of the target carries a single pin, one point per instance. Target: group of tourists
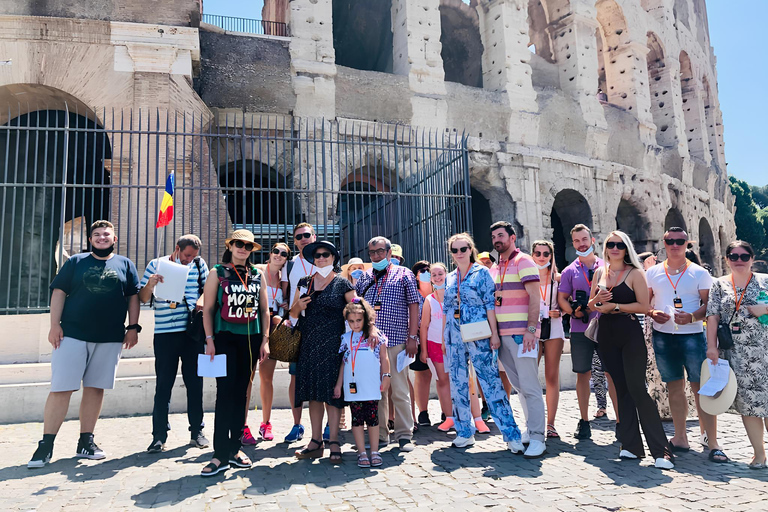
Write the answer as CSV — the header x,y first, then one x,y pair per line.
x,y
480,330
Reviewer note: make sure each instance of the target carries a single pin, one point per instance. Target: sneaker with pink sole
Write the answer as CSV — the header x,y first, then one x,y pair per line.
x,y
265,431
247,438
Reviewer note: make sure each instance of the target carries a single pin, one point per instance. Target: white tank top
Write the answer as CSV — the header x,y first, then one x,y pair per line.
x,y
551,300
435,331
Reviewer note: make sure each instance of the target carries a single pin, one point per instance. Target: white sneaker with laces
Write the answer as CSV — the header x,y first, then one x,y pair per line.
x,y
626,454
663,463
515,447
463,442
704,440
535,450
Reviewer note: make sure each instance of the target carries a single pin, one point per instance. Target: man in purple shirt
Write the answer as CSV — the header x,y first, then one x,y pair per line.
x,y
572,297
393,292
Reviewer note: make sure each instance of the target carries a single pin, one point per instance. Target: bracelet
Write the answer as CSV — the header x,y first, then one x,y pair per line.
x,y
386,375
209,337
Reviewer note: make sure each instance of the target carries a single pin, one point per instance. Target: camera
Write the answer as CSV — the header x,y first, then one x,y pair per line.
x,y
580,300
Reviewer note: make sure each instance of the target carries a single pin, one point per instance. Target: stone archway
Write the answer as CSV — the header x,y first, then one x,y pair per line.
x,y
362,34
630,220
462,47
674,218
570,208
706,243
481,221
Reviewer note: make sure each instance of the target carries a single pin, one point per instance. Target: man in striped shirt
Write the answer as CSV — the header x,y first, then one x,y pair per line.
x,y
171,343
518,302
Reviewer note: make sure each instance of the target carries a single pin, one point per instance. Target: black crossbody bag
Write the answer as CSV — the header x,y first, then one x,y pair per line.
x,y
195,328
724,335
546,323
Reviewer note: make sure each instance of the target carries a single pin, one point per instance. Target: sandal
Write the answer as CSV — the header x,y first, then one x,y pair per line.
x,y
335,456
240,461
306,453
718,456
551,432
212,468
681,449
757,465
376,460
600,413
363,461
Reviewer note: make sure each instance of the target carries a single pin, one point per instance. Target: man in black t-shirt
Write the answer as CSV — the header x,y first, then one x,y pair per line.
x,y
89,300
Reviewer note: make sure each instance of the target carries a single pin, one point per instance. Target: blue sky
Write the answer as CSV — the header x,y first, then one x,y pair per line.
x,y
734,28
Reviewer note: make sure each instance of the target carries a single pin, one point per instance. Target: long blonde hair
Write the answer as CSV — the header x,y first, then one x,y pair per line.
x,y
467,238
630,255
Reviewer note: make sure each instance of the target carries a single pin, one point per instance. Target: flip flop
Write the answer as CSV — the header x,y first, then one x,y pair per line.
x,y
718,453
679,448
214,469
600,413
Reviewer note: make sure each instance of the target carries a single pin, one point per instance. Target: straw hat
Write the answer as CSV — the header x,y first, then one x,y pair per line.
x,y
723,400
245,236
352,261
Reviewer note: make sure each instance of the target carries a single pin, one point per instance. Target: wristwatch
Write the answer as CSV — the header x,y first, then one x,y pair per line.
x,y
532,329
413,337
386,375
616,308
134,326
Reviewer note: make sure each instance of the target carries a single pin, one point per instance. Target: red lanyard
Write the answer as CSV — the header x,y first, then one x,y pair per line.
x,y
353,350
458,287
245,286
733,281
502,275
674,285
380,283
589,281
434,296
311,267
544,291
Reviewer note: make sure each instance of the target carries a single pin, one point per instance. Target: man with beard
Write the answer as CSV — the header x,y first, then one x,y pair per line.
x,y
90,297
572,297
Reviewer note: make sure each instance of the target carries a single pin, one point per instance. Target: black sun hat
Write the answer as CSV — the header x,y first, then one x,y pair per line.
x,y
309,251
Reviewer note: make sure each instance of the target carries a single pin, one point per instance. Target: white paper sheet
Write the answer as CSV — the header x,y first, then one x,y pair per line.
x,y
432,369
403,360
174,280
718,378
534,352
208,368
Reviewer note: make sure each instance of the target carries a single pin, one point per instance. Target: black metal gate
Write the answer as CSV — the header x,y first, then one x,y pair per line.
x,y
61,170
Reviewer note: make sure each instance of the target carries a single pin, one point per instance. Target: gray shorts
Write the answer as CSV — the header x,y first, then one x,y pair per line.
x,y
582,350
93,364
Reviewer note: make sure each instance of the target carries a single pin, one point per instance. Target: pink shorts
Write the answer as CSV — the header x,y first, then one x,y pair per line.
x,y
435,351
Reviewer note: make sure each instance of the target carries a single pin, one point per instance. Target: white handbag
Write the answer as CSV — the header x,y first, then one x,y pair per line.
x,y
475,331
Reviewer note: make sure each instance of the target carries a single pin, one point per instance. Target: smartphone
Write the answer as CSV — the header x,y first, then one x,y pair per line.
x,y
603,287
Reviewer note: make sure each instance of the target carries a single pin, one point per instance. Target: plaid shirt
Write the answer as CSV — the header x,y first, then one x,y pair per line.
x,y
395,293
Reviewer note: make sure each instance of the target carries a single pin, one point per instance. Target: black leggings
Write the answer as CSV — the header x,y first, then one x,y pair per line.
x,y
622,349
229,419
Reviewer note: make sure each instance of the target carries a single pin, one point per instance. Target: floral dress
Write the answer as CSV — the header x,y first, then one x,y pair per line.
x,y
749,355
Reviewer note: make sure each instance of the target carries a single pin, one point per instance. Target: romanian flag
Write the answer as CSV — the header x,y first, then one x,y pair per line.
x,y
166,207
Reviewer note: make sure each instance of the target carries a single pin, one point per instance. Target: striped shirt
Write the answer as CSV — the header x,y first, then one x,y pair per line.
x,y
512,314
175,320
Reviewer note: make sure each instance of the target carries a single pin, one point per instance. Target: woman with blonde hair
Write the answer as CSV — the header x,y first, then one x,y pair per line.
x,y
619,293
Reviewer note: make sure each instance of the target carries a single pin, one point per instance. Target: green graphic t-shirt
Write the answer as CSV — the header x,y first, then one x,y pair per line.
x,y
97,293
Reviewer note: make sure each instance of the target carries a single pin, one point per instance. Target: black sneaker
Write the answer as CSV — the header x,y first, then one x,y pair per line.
x,y
583,430
406,445
199,440
157,446
424,419
87,449
42,455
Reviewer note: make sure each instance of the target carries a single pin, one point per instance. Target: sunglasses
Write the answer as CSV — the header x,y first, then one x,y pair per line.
x,y
619,245
673,241
278,252
544,254
322,255
455,250
736,257
377,252
302,235
248,246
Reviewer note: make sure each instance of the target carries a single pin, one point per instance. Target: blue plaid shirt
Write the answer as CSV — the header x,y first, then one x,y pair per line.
x,y
395,293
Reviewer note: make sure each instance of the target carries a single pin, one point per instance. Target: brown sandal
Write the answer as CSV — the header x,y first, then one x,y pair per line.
x,y
306,453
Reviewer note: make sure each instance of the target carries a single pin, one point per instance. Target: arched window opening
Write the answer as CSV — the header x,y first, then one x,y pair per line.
x,y
481,221
362,214
662,108
539,41
613,35
362,34
706,243
674,218
570,208
462,47
630,220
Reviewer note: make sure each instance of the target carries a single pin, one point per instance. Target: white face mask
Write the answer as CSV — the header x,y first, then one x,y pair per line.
x,y
325,270
542,267
586,253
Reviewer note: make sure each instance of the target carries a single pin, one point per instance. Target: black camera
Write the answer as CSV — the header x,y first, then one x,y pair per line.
x,y
581,299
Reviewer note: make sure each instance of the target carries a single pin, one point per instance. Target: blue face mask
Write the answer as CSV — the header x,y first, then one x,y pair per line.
x,y
381,265
424,277
356,274
439,286
395,261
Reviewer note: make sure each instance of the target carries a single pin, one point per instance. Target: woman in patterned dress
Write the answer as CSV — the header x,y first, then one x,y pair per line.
x,y
741,299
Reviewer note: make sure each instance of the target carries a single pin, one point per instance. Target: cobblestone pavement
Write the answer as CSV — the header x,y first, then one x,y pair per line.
x,y
573,476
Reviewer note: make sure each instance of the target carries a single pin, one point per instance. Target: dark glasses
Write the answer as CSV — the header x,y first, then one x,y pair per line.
x,y
280,253
248,246
302,235
463,249
619,245
736,257
544,254
673,241
322,255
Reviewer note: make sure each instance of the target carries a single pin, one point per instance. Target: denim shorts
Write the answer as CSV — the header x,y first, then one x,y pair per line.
x,y
582,350
677,351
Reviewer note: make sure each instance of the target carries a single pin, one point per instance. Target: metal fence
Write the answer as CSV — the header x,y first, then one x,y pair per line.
x,y
62,170
247,26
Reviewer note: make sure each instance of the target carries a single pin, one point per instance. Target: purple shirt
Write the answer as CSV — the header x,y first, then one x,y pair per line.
x,y
575,277
394,293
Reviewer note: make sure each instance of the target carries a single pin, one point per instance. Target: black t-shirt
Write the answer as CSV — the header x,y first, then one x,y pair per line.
x,y
97,292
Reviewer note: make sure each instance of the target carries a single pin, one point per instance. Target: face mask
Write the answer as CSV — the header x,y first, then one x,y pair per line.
x,y
424,277
542,267
325,270
103,253
356,274
395,261
439,286
585,253
381,265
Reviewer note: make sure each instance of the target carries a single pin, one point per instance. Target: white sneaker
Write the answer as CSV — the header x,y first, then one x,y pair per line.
x,y
704,440
535,450
663,463
525,437
463,442
515,446
626,454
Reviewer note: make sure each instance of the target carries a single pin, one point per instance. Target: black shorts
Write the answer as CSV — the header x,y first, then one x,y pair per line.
x,y
417,365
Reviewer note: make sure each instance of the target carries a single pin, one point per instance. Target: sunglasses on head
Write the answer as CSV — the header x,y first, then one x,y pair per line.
x,y
736,257
278,252
248,246
302,235
619,245
673,241
463,249
322,255
542,253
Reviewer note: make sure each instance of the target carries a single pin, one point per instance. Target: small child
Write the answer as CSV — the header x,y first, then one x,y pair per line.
x,y
364,376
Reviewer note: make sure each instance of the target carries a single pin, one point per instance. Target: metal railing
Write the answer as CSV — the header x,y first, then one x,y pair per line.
x,y
247,26
61,170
